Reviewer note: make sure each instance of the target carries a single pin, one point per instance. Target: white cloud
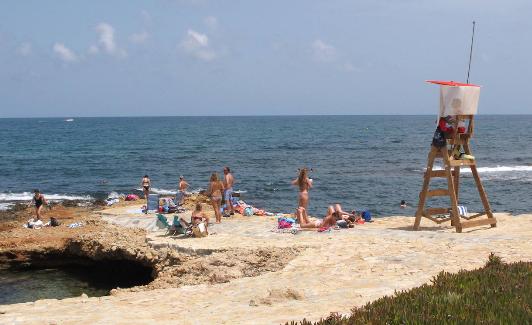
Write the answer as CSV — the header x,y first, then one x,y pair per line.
x,y
107,37
197,45
211,22
65,53
139,38
348,66
146,17
323,52
93,49
24,49
107,40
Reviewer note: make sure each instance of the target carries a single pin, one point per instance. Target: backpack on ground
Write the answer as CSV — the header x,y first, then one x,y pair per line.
x,y
54,222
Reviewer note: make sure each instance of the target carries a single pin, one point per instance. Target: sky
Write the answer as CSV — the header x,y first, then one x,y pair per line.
x,y
200,57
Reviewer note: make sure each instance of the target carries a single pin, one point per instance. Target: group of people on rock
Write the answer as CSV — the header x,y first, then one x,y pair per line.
x,y
223,188
217,190
334,212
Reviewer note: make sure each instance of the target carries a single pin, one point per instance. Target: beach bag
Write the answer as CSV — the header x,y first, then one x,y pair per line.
x,y
240,209
342,224
199,230
366,215
131,197
283,224
54,222
248,211
438,140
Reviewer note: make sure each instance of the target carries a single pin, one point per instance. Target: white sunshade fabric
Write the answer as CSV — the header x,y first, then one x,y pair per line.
x,y
458,100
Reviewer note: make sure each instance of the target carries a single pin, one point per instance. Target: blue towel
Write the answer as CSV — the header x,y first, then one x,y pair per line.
x,y
462,210
153,202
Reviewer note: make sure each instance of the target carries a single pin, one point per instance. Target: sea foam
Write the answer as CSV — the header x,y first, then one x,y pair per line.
x,y
501,169
5,206
26,196
160,191
498,169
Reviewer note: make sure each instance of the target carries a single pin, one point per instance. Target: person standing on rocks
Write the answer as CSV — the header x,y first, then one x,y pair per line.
x,y
146,184
304,183
215,193
181,191
228,191
39,200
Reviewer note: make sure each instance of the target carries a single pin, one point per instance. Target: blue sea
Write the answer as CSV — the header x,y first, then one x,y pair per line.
x,y
370,162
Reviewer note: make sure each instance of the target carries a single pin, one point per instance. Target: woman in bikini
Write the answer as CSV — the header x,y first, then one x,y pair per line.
x,y
215,192
328,221
304,183
197,217
39,201
145,183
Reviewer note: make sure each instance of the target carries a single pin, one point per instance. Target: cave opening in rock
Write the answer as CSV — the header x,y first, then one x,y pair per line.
x,y
61,277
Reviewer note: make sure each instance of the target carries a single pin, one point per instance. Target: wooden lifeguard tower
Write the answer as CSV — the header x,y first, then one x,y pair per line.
x,y
458,101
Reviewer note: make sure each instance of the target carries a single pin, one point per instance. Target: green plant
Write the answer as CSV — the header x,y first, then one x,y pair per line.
x,y
498,293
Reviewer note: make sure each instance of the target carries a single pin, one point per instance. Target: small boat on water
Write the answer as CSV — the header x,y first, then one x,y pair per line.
x,y
69,120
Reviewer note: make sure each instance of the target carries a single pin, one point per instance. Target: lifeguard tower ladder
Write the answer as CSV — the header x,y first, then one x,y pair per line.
x,y
451,172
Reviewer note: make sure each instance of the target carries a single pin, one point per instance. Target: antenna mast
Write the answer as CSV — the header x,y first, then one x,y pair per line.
x,y
471,52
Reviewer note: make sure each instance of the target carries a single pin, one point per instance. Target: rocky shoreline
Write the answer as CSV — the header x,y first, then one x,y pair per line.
x,y
99,242
243,272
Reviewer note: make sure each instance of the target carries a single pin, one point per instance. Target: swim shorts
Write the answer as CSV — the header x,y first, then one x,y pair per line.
x,y
228,194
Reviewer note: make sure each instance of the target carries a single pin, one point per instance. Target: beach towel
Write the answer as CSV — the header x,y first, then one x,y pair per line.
x,y
283,224
34,224
287,219
240,209
132,197
293,231
75,225
111,201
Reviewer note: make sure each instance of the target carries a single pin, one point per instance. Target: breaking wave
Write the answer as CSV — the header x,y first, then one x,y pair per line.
x,y
501,169
5,206
26,196
498,169
160,191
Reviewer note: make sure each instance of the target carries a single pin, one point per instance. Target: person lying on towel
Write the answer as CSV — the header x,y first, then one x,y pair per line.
x,y
305,222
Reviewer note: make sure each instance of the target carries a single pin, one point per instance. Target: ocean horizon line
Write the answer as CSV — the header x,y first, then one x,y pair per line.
x,y
232,116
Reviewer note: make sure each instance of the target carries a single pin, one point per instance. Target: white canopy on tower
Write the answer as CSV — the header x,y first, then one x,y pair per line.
x,y
457,98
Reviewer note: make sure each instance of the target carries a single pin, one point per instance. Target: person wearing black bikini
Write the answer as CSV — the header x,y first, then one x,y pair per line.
x,y
39,201
146,183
